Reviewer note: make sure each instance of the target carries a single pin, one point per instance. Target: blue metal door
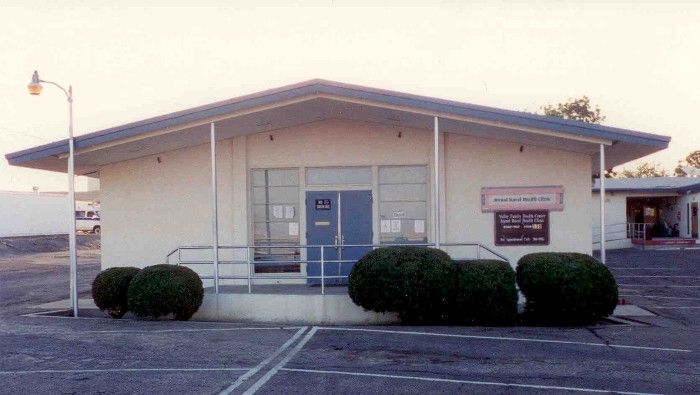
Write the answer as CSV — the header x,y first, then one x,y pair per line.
x,y
337,220
321,229
355,228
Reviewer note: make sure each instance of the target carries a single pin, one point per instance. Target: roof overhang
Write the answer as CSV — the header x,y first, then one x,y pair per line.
x,y
318,100
651,185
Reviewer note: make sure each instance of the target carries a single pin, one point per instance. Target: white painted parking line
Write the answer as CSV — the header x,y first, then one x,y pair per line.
x,y
642,268
677,307
262,364
252,328
658,286
264,379
500,338
456,381
669,297
656,276
46,314
133,370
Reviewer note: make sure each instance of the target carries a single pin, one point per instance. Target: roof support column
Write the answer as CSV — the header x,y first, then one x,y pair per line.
x,y
436,183
72,249
215,209
602,203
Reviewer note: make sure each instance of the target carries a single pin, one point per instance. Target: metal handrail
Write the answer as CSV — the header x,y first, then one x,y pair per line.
x,y
638,230
632,230
323,261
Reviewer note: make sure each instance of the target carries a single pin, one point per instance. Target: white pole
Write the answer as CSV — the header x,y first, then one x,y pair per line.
x,y
602,203
71,209
436,182
215,209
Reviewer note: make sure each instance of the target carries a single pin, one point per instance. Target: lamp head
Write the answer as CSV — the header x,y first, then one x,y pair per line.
x,y
35,87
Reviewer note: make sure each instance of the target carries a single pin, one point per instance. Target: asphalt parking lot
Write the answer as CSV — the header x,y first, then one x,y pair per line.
x,y
47,354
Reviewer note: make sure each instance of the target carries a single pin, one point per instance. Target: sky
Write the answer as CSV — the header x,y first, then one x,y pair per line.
x,y
638,60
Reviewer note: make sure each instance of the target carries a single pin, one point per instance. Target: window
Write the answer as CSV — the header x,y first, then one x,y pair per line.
x,y
339,176
80,214
275,197
403,208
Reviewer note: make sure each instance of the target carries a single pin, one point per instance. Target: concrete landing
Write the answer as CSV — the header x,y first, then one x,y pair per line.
x,y
329,309
630,310
281,308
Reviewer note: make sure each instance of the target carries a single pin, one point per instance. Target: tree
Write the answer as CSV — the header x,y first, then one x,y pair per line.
x,y
579,109
692,160
643,170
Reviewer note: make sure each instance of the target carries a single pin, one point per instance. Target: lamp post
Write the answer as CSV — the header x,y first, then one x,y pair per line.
x,y
35,89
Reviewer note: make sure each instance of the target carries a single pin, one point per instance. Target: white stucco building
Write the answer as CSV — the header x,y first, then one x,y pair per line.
x,y
40,213
654,211
325,163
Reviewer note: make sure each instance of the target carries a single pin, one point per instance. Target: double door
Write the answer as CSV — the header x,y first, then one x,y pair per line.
x,y
339,220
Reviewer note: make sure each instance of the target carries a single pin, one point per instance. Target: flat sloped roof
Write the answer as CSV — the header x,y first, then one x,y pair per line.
x,y
640,143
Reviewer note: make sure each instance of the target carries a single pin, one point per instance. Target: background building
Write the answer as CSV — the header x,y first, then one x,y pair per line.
x,y
648,211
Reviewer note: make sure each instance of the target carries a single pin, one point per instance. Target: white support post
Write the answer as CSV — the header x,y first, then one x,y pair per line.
x,y
215,209
602,203
436,183
323,279
72,252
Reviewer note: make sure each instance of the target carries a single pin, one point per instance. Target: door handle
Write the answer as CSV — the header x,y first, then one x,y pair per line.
x,y
342,242
335,242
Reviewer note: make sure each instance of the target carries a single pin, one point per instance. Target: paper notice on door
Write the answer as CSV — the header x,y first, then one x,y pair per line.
x,y
288,212
278,211
419,226
395,226
294,229
385,226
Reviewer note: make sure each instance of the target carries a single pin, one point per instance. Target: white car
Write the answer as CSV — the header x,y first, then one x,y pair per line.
x,y
87,221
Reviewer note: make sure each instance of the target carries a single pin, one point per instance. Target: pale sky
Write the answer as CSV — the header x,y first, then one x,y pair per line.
x,y
639,61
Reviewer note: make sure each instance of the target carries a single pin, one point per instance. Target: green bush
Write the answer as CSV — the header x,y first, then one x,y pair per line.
x,y
485,293
109,290
566,288
417,283
160,290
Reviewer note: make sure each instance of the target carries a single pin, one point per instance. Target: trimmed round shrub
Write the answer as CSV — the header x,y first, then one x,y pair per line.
x,y
109,290
415,282
161,290
485,293
566,288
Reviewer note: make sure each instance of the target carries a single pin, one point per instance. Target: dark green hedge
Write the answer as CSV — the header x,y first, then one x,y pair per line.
x,y
566,288
485,293
109,290
160,290
417,283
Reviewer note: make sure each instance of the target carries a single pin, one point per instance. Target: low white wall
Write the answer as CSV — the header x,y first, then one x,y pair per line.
x,y
615,220
31,214
273,308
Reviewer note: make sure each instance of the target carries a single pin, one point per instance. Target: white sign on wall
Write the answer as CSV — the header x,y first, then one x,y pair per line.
x,y
522,198
385,226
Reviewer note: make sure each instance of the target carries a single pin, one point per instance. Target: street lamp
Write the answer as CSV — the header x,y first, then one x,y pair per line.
x,y
35,89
